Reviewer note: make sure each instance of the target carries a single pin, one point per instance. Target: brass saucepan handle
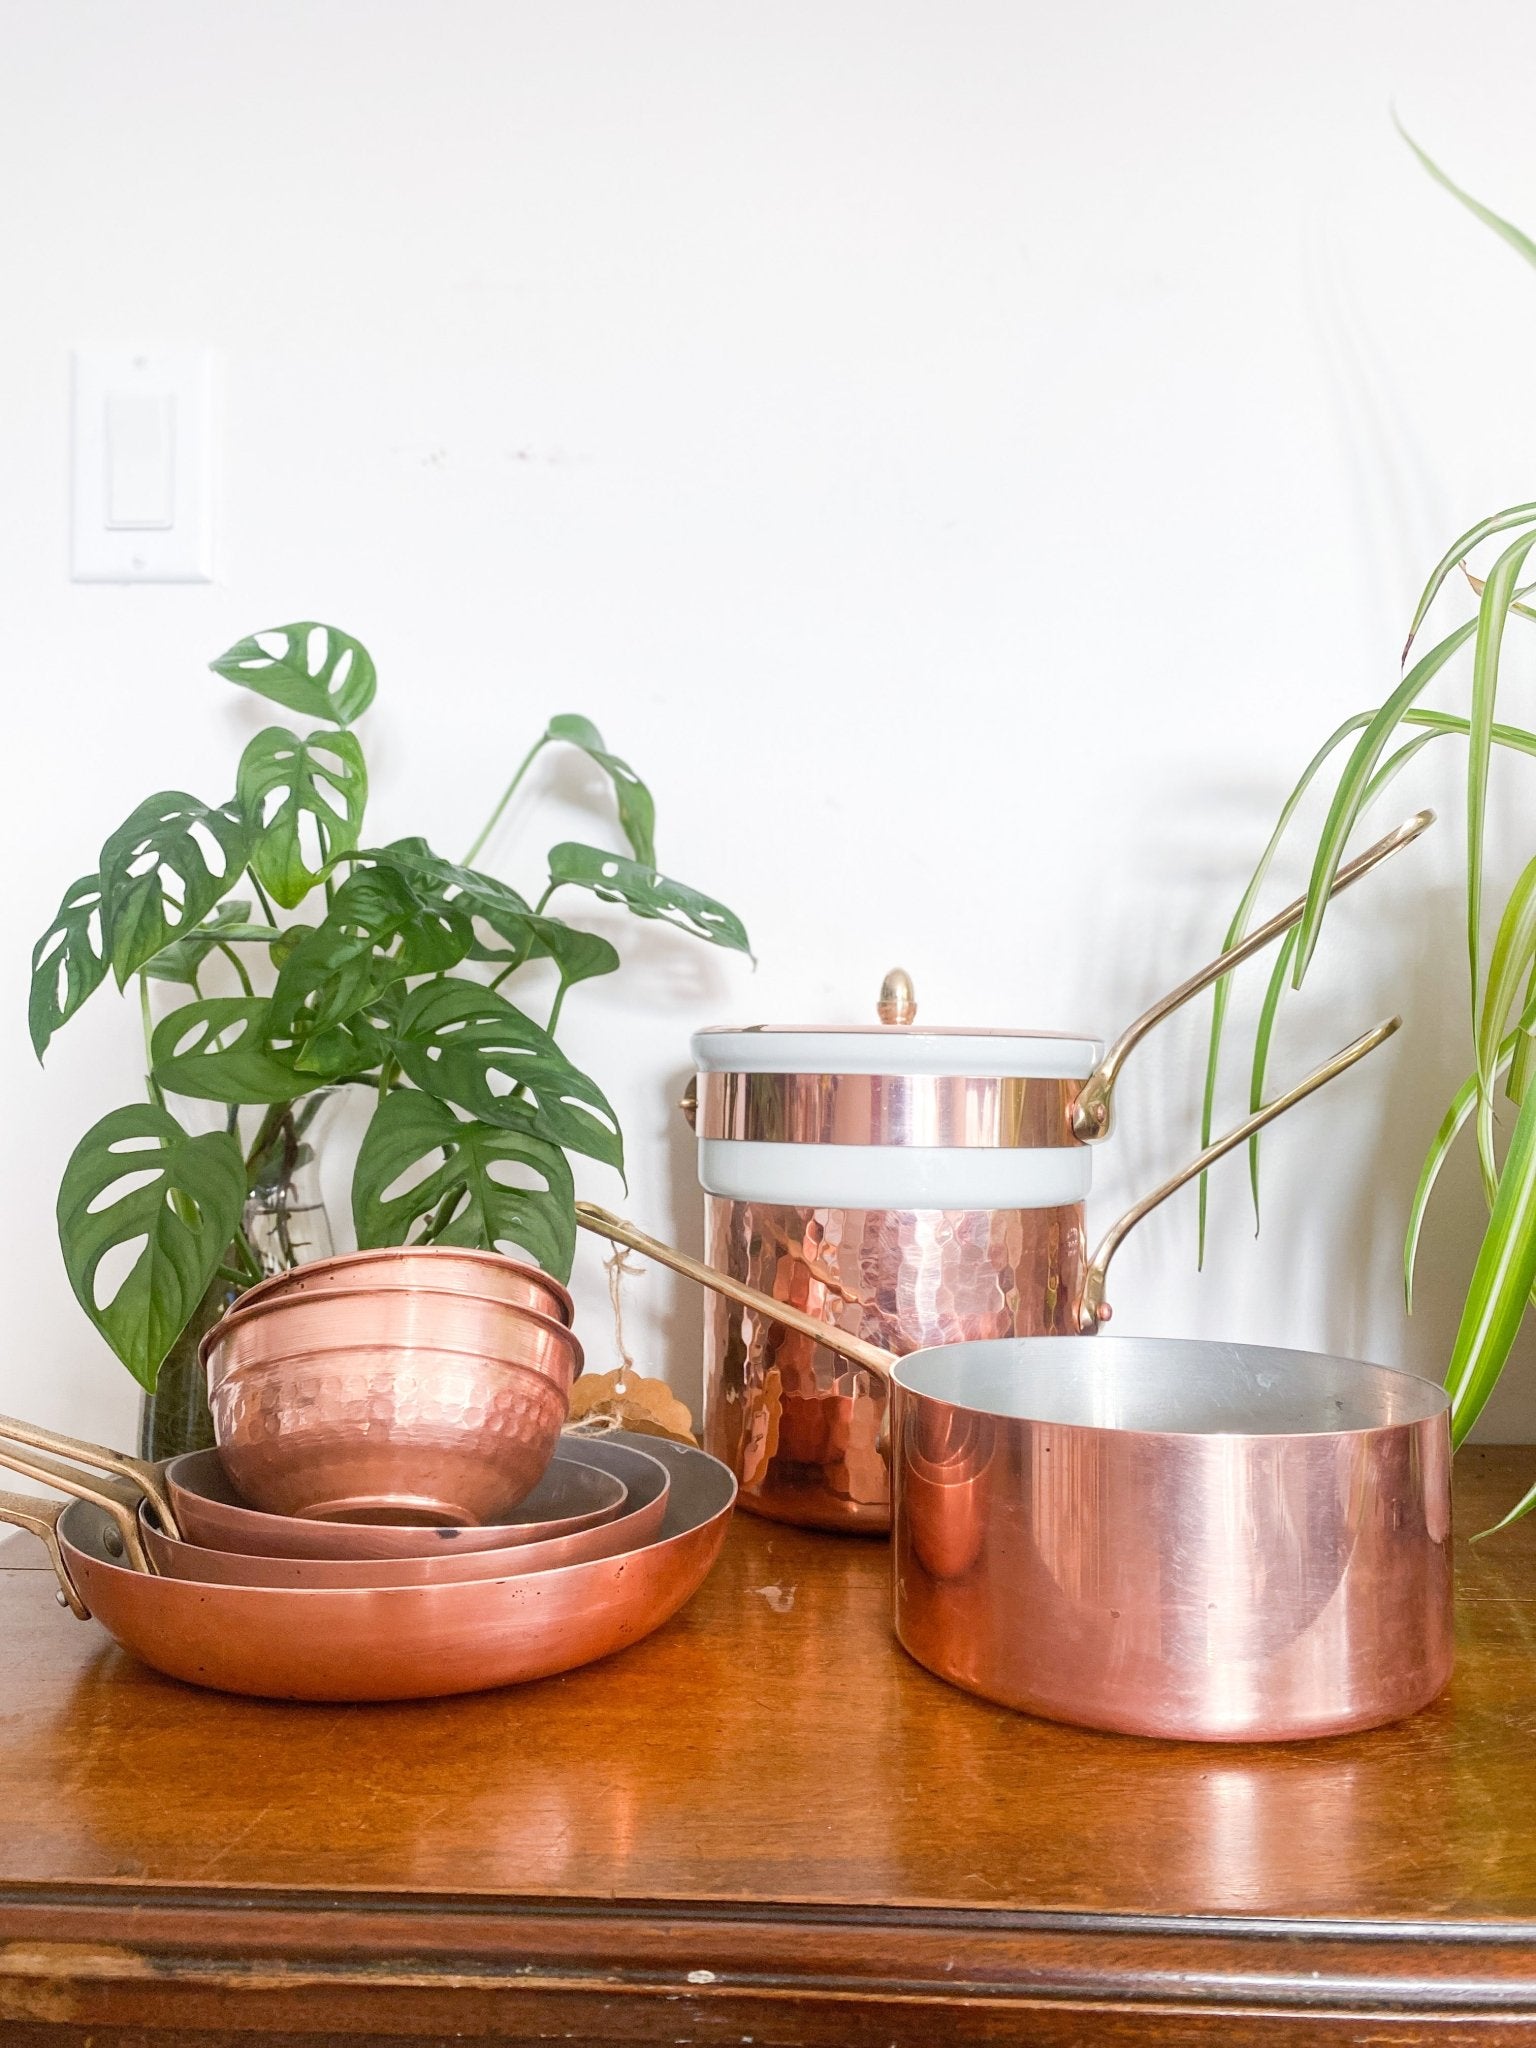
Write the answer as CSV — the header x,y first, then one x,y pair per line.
x,y
1093,1309
855,1349
120,1501
1091,1110
41,1517
137,1471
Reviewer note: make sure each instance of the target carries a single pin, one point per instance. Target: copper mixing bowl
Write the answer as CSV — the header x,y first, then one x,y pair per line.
x,y
434,1266
381,1404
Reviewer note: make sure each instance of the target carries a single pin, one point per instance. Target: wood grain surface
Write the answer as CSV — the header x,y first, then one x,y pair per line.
x,y
766,1825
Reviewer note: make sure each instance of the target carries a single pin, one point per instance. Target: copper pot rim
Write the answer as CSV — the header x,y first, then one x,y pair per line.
x,y
244,1313
276,1284
1435,1400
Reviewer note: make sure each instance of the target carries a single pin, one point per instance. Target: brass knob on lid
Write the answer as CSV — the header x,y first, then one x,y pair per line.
x,y
898,1002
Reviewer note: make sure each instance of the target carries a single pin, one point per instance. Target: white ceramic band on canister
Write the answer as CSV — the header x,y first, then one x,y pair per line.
x,y
905,1175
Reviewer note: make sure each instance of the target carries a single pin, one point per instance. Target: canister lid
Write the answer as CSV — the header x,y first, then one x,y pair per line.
x,y
896,1046
894,1049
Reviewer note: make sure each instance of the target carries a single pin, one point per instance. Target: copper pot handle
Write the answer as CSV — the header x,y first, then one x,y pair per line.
x,y
1093,1309
120,1501
41,1518
855,1349
138,1471
1094,1101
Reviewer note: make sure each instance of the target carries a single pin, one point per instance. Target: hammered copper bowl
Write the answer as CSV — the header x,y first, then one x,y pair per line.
x,y
441,1267
382,1405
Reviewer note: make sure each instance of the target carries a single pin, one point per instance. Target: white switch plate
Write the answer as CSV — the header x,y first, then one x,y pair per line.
x,y
143,467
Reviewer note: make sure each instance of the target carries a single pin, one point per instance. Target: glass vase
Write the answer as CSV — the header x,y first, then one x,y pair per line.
x,y
285,1224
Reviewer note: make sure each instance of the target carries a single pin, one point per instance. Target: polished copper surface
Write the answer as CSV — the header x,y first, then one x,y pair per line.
x,y
389,1406
887,1109
446,1267
1264,1583
404,1642
642,1504
578,1491
800,1426
1203,1541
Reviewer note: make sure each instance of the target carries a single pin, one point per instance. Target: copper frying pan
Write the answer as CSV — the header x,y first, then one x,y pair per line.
x,y
644,1484
1212,1542
393,1642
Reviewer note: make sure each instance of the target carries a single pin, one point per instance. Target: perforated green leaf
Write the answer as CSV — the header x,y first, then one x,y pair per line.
x,y
163,870
288,786
377,931
221,1049
527,934
69,962
315,670
469,1046
646,893
421,1168
182,1210
637,810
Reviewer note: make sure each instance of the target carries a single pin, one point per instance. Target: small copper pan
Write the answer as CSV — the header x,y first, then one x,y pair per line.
x,y
579,1491
1213,1542
394,1642
644,1487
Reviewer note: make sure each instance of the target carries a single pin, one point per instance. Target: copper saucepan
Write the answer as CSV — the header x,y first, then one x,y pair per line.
x,y
1211,1542
392,1642
913,1185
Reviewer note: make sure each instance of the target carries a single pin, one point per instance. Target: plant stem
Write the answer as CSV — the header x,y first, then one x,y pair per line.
x,y
250,1263
239,966
263,898
156,1093
554,1008
506,797
538,908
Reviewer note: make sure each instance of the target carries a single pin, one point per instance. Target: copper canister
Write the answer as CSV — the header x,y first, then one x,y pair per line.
x,y
913,1186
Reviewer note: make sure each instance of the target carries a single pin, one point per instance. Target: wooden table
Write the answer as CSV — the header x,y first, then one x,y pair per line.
x,y
765,1825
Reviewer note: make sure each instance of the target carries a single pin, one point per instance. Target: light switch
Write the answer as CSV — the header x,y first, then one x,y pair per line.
x,y
141,459
143,467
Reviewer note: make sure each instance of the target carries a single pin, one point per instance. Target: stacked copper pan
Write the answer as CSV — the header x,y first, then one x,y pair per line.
x,y
392,1510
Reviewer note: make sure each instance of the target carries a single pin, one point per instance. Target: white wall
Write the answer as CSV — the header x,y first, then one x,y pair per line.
x,y
965,454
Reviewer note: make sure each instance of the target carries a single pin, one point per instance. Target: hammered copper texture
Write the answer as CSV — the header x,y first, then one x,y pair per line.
x,y
799,1427
396,1434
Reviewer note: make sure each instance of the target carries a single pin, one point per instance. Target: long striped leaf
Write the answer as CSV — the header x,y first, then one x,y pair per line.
x,y
1437,724
1349,798
1455,1117
1492,616
1501,1281
1261,1038
1509,964
1516,239
1521,1507
1384,775
1237,929
1457,552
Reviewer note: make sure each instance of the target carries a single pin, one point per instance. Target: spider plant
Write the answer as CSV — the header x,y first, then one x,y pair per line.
x,y
1361,756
